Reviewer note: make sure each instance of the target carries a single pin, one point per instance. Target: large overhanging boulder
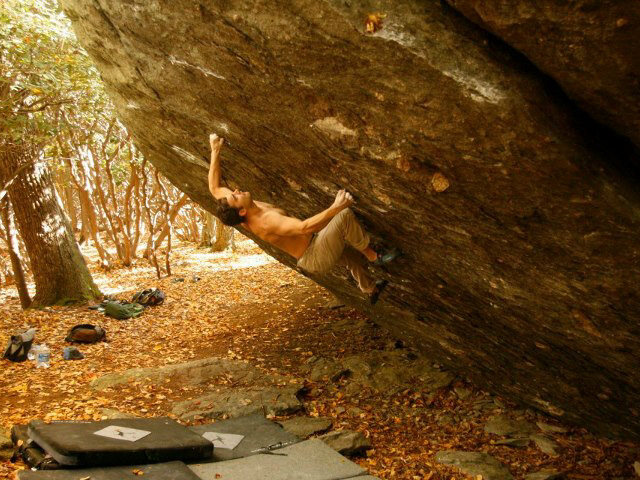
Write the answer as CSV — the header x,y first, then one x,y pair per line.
x,y
590,47
521,266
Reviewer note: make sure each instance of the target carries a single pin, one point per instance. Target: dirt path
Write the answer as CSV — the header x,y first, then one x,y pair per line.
x,y
245,305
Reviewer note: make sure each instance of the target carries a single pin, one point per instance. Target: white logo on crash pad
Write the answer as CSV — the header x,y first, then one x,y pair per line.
x,y
122,433
223,440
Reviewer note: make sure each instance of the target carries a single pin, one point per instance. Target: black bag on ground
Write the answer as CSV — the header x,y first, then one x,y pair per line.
x,y
19,346
85,333
149,297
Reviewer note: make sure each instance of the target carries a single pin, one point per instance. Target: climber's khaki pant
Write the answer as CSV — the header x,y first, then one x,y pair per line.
x,y
331,246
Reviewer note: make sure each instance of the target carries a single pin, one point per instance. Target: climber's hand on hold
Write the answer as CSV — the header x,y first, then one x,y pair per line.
x,y
216,143
343,200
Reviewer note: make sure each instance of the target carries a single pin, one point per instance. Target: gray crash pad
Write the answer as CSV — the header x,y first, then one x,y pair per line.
x,y
257,432
308,460
158,471
77,444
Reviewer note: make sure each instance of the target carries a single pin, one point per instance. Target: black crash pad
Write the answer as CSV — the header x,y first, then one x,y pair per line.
x,y
158,471
258,432
76,444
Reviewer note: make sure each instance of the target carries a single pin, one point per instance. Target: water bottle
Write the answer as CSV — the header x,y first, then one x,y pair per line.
x,y
42,357
33,352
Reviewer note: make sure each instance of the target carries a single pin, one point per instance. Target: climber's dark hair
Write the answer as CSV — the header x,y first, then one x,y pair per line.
x,y
229,215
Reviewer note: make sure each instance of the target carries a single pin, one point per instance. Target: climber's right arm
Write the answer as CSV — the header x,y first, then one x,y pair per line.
x,y
215,188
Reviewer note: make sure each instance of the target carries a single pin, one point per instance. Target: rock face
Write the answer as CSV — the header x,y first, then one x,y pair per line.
x,y
475,463
194,372
591,48
521,259
236,402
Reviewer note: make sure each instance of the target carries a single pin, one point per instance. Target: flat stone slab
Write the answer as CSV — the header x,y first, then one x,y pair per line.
x,y
546,445
159,471
236,402
548,428
382,370
347,442
193,373
308,460
258,432
474,463
305,426
503,425
75,443
519,442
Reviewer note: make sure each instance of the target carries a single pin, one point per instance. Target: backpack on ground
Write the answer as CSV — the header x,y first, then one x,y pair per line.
x,y
149,297
85,333
122,310
19,345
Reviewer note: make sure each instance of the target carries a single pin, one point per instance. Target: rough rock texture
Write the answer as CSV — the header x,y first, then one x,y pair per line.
x,y
591,48
521,258
475,463
193,373
305,426
235,402
347,442
503,425
546,445
381,370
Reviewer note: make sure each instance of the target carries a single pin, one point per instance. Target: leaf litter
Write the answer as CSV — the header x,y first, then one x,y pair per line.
x,y
248,307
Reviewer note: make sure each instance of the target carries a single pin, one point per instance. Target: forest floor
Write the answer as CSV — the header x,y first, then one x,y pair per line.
x,y
247,306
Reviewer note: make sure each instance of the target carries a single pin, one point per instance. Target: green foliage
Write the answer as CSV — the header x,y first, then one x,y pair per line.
x,y
44,72
51,95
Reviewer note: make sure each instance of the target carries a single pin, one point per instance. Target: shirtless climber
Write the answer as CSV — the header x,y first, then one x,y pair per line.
x,y
318,243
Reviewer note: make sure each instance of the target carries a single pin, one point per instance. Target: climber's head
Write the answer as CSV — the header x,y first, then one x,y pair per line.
x,y
232,209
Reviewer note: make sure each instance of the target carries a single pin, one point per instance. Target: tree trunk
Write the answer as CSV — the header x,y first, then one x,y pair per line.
x,y
58,268
151,248
84,193
14,253
137,211
170,217
108,212
71,207
65,191
85,229
208,230
165,203
224,237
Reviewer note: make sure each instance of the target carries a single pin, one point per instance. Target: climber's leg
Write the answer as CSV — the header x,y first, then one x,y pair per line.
x,y
355,264
327,245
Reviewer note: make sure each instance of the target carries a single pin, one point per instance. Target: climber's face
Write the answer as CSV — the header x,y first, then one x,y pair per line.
x,y
238,199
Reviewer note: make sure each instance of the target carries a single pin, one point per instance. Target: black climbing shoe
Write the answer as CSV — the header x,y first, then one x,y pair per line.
x,y
377,290
387,257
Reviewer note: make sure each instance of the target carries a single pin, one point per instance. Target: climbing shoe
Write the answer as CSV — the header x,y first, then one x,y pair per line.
x,y
377,290
387,257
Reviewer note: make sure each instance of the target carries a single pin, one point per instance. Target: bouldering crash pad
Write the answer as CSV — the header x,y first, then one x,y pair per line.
x,y
308,460
159,471
122,441
251,432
